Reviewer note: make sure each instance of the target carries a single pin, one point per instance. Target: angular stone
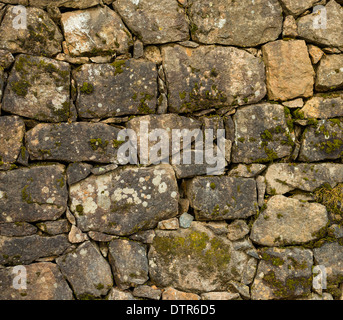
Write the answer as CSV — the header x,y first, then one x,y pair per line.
x,y
261,189
289,28
82,141
126,200
116,294
212,76
247,171
6,59
17,229
289,70
231,23
100,237
154,21
220,296
80,4
41,37
78,171
99,170
283,274
24,250
129,263
320,107
185,220
146,236
173,294
261,134
87,271
54,227
237,230
33,194
288,221
147,292
170,224
285,177
311,27
293,104
297,7
322,141
39,88
194,260
315,53
95,31
222,198
330,73
330,255
145,127
12,131
124,87
44,282
76,235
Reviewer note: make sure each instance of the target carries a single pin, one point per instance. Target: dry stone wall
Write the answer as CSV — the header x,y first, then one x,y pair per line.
x,y
83,224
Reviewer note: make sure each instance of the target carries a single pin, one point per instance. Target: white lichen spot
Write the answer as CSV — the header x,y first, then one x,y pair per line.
x,y
162,188
173,194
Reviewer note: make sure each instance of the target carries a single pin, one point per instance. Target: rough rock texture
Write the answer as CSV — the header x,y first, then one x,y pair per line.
x,y
296,7
288,221
330,73
289,70
230,23
320,107
126,200
211,76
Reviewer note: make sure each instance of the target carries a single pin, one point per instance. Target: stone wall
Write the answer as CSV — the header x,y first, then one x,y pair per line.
x,y
83,225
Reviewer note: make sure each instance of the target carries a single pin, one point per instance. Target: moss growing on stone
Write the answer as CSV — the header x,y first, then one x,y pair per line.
x,y
21,87
87,88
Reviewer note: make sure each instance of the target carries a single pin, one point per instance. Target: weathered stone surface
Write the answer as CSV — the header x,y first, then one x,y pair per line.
x,y
289,27
80,141
154,21
146,236
330,73
129,263
315,53
261,134
288,69
297,7
95,31
41,37
330,255
283,274
147,292
220,198
116,294
311,28
320,107
24,250
76,235
237,230
247,171
12,130
173,294
145,127
17,229
322,141
80,4
54,227
44,282
194,259
232,23
121,88
284,177
101,237
170,224
220,296
288,221
185,220
293,104
126,200
6,59
211,76
99,170
78,171
38,88
87,271
33,194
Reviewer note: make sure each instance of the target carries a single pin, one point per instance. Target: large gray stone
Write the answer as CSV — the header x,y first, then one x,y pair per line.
x,y
297,7
44,282
81,141
322,141
24,250
38,88
283,274
95,31
241,23
121,88
17,229
33,194
221,198
288,221
211,77
12,131
285,177
261,134
154,21
40,37
129,263
125,201
87,271
311,27
195,260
